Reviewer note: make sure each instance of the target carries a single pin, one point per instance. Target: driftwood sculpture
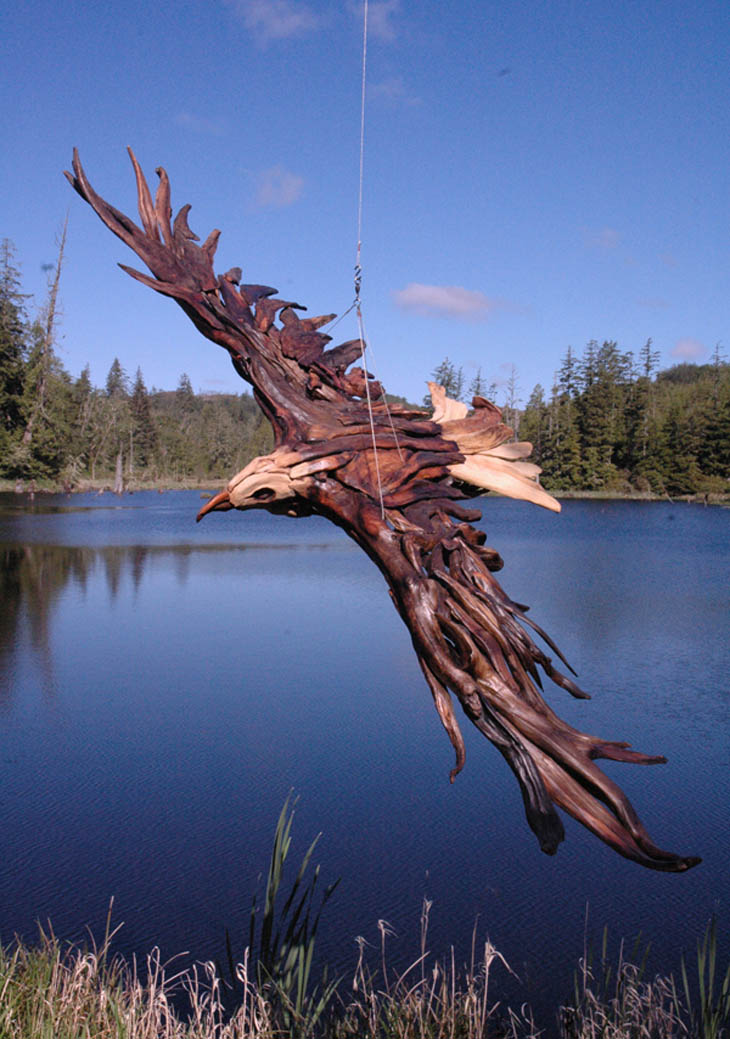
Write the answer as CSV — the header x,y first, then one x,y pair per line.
x,y
395,479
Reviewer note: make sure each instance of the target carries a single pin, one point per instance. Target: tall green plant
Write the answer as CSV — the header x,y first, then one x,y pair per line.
x,y
709,1010
282,940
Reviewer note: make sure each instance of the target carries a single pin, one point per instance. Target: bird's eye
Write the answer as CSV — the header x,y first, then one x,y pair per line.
x,y
264,494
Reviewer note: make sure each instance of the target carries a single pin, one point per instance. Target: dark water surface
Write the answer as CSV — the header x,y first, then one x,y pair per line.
x,y
164,685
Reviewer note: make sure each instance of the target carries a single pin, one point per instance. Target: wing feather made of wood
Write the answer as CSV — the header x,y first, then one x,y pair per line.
x,y
397,480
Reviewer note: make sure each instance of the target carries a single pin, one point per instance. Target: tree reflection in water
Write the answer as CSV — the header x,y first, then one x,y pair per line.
x,y
33,578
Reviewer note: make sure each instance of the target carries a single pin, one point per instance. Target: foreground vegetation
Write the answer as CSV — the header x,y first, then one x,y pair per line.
x,y
268,992
611,423
91,994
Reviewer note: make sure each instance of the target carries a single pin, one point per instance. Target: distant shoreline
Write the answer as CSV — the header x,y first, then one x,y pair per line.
x,y
162,486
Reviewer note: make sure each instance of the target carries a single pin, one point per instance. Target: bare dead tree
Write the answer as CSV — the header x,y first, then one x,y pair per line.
x,y
395,482
46,336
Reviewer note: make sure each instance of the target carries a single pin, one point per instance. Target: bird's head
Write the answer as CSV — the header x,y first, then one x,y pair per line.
x,y
276,482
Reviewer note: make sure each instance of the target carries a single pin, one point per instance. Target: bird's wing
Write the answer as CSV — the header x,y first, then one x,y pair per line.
x,y
395,479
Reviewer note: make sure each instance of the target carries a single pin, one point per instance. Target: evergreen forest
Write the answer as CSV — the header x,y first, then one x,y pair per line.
x,y
612,423
59,431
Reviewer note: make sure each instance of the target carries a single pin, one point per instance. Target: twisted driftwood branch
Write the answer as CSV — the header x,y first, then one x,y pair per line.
x,y
470,638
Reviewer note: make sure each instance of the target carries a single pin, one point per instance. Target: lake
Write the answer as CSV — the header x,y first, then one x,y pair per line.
x,y
163,686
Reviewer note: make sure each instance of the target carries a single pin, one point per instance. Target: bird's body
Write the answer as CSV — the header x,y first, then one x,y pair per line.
x,y
398,480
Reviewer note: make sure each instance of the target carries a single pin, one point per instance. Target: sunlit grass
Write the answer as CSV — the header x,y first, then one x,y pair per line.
x,y
53,991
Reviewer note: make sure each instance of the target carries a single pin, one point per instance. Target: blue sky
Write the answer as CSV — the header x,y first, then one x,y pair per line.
x,y
536,174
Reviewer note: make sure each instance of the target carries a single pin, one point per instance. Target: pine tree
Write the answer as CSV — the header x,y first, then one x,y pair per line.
x,y
560,455
92,428
641,425
569,374
604,374
649,359
510,412
83,403
82,390
533,423
42,357
143,436
116,419
561,450
680,471
13,347
47,397
479,387
714,449
117,383
450,377
185,394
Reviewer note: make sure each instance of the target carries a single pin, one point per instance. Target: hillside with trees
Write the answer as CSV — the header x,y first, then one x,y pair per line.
x,y
612,423
57,430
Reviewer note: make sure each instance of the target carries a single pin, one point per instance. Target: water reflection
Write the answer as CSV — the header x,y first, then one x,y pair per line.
x,y
34,578
161,697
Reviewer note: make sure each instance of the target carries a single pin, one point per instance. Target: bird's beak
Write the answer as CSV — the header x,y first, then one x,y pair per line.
x,y
220,503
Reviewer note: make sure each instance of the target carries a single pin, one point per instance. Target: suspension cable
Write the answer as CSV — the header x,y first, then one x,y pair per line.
x,y
357,302
358,268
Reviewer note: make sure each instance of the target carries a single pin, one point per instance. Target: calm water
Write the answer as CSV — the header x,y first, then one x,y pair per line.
x,y
164,685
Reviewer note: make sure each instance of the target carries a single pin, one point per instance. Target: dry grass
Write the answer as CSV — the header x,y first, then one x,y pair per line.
x,y
51,992
47,992
630,1008
436,1001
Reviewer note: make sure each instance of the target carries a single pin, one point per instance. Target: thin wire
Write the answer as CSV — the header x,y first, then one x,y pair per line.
x,y
370,411
369,348
342,316
357,304
358,268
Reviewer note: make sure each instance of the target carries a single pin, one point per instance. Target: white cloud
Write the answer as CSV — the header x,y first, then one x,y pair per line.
x,y
380,19
393,90
278,187
444,301
606,238
688,349
200,124
276,19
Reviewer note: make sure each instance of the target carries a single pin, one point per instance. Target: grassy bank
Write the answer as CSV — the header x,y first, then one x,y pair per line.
x,y
41,487
106,487
48,990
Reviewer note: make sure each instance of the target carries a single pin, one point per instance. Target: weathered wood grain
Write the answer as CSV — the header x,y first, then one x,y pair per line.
x,y
471,640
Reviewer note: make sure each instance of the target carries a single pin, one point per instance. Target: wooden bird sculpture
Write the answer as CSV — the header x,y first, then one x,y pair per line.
x,y
395,479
